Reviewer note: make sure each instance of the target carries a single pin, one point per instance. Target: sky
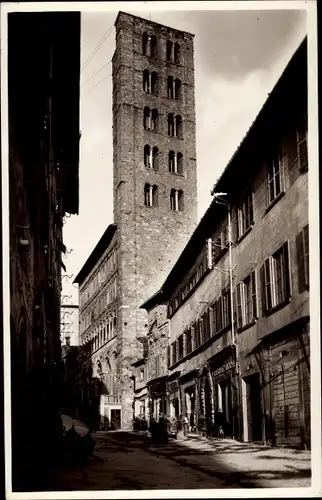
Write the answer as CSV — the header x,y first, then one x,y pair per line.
x,y
239,56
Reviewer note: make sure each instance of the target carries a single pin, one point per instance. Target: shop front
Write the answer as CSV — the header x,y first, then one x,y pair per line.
x,y
217,396
157,393
275,379
189,398
225,397
174,396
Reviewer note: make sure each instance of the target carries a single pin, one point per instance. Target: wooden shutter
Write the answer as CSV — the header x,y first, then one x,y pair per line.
x,y
268,284
251,207
211,321
300,261
237,216
168,357
218,316
205,262
193,338
306,255
254,293
199,331
239,304
287,273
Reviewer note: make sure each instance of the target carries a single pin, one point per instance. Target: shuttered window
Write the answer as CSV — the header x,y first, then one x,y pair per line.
x,y
246,301
274,178
275,276
188,341
218,323
302,249
174,352
302,144
245,214
206,326
226,309
180,347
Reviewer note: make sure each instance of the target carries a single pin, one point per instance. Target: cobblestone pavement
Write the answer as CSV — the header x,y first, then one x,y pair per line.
x,y
128,461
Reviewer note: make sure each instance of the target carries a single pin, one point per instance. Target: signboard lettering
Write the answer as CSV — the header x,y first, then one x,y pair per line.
x,y
224,368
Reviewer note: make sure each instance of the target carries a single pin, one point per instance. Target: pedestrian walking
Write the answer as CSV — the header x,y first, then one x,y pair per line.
x,y
185,426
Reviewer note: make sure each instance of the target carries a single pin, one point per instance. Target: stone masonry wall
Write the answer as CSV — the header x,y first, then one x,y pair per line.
x,y
149,239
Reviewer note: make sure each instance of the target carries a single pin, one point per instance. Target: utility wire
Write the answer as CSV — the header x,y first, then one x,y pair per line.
x,y
96,73
97,48
99,82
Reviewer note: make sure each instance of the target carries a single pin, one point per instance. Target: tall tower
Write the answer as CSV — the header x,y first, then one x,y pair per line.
x,y
155,174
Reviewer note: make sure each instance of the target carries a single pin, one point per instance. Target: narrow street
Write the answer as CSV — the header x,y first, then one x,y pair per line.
x,y
127,461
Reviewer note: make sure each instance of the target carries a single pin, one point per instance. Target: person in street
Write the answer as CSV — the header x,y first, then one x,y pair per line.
x,y
185,426
163,429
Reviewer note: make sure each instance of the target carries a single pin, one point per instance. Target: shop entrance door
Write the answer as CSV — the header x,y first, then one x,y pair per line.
x,y
254,413
116,419
208,396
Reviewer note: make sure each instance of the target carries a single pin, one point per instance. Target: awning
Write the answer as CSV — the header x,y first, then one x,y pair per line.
x,y
174,375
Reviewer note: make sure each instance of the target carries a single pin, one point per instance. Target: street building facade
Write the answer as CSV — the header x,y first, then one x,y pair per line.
x,y
155,187
69,324
99,303
140,403
43,87
238,296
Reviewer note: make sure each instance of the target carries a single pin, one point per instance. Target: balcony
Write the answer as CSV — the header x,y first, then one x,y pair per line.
x,y
111,399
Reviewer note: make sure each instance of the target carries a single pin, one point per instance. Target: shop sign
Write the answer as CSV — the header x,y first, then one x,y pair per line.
x,y
157,388
173,386
224,368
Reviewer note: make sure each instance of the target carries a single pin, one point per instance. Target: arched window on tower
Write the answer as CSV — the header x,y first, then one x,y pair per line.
x,y
150,82
147,118
151,157
150,195
171,125
154,83
169,50
177,89
172,157
176,200
174,126
155,158
150,119
146,81
173,202
177,54
178,127
145,44
147,156
154,46
170,87
154,119
180,201
175,162
179,163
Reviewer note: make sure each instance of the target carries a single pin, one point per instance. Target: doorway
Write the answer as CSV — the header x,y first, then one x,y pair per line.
x,y
252,408
116,419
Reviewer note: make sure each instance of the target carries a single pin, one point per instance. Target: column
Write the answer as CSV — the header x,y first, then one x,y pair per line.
x,y
188,407
176,198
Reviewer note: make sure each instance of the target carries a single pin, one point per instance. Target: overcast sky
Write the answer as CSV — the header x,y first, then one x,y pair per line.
x,y
239,55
